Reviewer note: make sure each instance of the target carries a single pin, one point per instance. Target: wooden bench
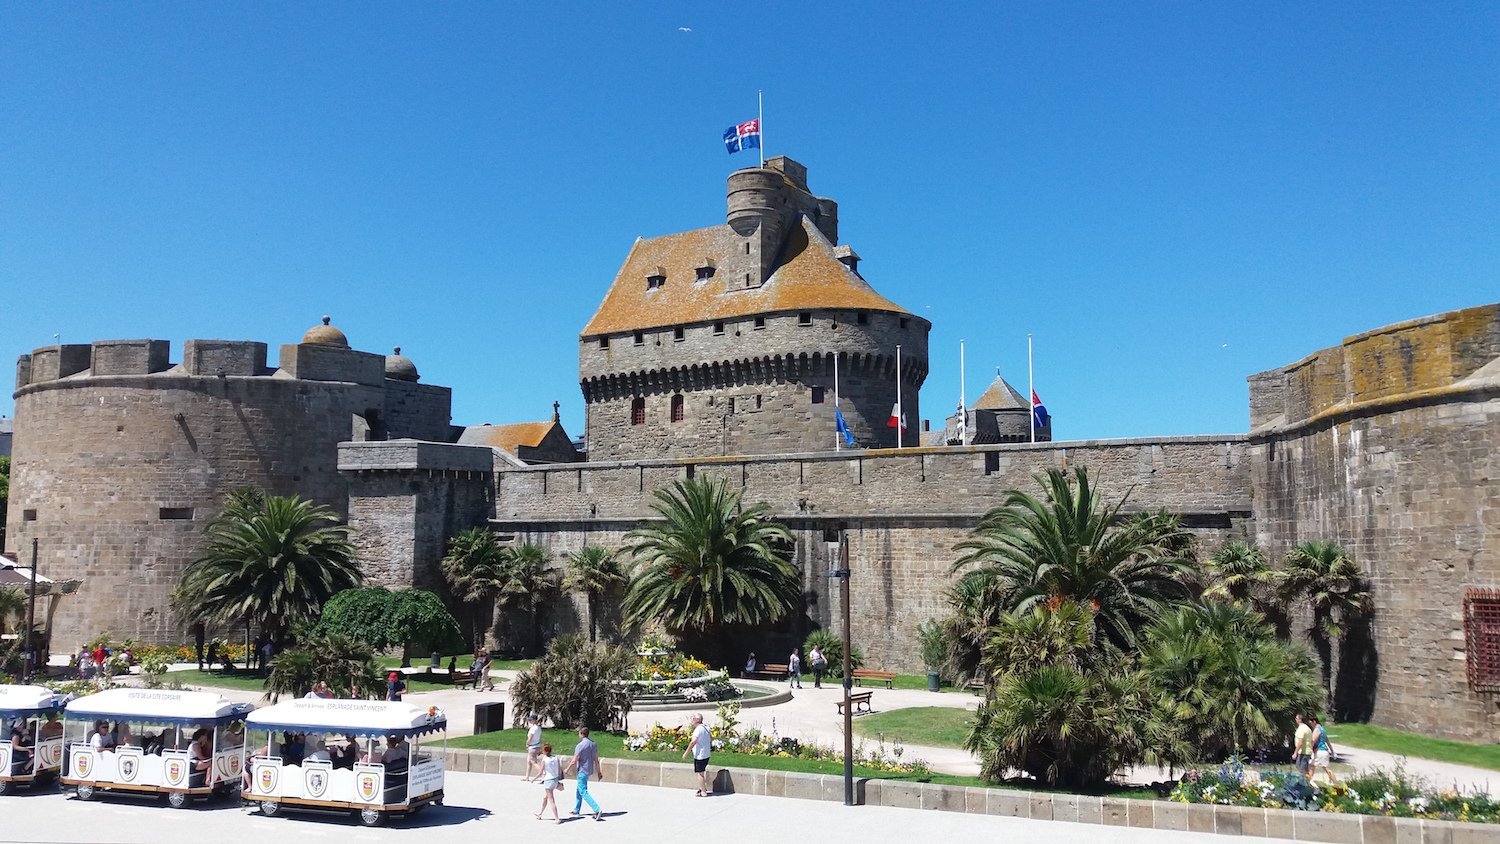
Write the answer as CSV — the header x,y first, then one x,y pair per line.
x,y
771,671
459,679
862,674
859,700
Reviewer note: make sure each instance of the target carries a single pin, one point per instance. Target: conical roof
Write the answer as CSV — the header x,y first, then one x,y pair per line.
x,y
1000,395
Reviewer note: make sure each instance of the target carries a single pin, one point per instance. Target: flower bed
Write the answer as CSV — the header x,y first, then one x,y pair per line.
x,y
1393,793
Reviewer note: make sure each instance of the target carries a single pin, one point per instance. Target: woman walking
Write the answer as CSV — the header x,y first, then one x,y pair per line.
x,y
533,747
551,783
1322,752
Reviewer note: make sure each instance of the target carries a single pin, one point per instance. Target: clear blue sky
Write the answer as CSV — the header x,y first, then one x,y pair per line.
x,y
1169,196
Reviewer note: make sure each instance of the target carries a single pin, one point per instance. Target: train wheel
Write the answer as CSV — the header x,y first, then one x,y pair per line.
x,y
270,808
371,817
6,786
179,799
84,792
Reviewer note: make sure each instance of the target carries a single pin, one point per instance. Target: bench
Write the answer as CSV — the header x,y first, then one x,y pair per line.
x,y
771,671
459,679
862,674
859,700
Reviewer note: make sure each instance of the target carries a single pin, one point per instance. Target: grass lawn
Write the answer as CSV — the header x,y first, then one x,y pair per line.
x,y
1415,745
256,683
463,662
935,726
613,746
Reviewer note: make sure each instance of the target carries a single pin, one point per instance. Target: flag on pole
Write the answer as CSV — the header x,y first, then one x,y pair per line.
x,y
963,422
1039,416
898,419
744,136
843,427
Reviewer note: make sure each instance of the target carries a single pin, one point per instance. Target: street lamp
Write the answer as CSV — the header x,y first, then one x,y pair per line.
x,y
29,666
840,570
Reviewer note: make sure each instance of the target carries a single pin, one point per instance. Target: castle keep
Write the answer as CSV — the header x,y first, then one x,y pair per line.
x,y
712,355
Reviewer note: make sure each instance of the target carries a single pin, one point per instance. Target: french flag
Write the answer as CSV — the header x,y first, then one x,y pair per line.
x,y
1039,415
743,136
898,419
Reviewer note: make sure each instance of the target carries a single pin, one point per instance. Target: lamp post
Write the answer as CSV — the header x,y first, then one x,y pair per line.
x,y
842,573
31,618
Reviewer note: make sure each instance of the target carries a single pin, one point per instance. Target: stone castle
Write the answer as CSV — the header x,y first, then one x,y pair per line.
x,y
713,355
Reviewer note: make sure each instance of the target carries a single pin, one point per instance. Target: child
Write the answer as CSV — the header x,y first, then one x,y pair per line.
x,y
551,783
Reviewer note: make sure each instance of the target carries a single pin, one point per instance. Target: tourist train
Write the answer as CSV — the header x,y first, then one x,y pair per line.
x,y
371,759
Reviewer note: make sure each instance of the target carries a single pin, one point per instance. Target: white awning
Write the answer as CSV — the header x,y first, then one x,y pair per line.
x,y
352,717
19,701
156,706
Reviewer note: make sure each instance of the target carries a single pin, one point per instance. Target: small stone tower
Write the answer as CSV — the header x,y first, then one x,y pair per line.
x,y
724,340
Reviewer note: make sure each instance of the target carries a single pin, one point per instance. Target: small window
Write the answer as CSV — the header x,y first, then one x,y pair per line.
x,y
991,462
655,282
677,411
640,338
747,247
903,322
28,515
757,402
705,272
863,319
817,395
760,322
638,411
603,342
731,404
804,318
677,334
175,513
719,328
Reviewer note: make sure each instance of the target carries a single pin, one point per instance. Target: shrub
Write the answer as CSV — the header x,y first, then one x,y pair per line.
x,y
347,666
934,644
833,650
575,683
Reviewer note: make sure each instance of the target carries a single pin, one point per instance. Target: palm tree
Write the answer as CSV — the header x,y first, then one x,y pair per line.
x,y
976,609
1324,577
269,560
710,561
593,571
1237,573
346,665
1072,546
475,569
12,606
526,583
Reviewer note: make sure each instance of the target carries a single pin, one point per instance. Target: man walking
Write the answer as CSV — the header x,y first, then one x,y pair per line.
x,y
586,760
1302,746
701,745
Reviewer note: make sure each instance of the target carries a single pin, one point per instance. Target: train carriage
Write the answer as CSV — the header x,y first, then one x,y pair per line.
x,y
31,744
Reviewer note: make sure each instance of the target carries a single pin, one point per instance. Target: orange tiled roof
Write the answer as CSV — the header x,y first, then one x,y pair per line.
x,y
807,276
507,437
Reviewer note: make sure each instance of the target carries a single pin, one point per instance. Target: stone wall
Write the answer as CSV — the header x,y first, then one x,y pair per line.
x,y
1390,445
768,373
903,512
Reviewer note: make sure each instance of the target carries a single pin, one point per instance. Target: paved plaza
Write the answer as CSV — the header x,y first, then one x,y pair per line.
x,y
491,807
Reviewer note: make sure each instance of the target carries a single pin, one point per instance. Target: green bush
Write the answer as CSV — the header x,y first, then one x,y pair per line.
x,y
576,683
833,651
414,620
346,665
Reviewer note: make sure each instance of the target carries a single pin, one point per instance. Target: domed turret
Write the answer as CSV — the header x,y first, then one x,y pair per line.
x,y
399,367
325,335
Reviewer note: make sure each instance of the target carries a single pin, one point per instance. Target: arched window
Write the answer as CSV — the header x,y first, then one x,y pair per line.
x,y
638,411
677,408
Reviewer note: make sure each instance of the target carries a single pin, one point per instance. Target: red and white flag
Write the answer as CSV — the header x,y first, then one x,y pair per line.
x,y
898,419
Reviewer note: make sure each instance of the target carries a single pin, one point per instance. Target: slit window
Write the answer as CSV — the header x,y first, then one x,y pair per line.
x,y
175,513
638,411
817,395
677,411
804,318
757,401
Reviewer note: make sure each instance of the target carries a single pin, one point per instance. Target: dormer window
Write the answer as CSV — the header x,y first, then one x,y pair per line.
x,y
706,270
655,282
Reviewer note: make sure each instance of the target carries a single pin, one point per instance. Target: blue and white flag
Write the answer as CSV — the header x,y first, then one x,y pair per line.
x,y
843,427
744,136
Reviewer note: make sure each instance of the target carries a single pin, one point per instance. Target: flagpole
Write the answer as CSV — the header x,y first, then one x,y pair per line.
x,y
963,405
900,411
838,436
1030,390
760,117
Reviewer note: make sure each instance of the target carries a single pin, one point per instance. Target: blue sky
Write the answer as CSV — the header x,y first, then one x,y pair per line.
x,y
1169,196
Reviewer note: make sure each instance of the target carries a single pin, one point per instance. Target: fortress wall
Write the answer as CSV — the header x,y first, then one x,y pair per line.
x,y
1397,457
419,411
903,511
779,364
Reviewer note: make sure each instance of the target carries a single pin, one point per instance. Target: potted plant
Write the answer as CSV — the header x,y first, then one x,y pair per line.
x,y
934,651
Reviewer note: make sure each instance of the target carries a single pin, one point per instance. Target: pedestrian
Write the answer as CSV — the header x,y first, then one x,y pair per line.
x,y
551,783
819,665
794,669
320,690
198,637
586,761
85,663
481,669
267,651
533,746
394,687
213,654
750,666
1302,746
1322,752
701,745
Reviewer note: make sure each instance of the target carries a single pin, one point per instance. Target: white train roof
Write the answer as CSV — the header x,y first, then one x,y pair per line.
x,y
156,705
16,700
354,717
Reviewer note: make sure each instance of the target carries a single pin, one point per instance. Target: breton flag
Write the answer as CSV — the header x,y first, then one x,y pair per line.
x,y
843,427
744,136
1039,416
898,419
963,423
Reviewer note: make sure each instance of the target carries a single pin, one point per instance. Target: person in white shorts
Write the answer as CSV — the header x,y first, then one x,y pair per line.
x,y
533,748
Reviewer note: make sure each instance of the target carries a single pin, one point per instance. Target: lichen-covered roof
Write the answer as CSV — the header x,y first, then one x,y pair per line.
x,y
507,437
807,276
1001,396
